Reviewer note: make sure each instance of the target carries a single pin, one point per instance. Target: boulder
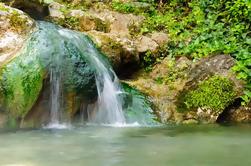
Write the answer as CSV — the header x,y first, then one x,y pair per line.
x,y
172,80
29,56
21,77
15,29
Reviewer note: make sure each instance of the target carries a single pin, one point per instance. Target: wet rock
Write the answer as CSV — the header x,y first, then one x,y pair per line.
x,y
24,73
20,80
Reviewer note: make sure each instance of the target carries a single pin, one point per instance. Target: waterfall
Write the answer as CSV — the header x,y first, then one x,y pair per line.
x,y
55,97
108,107
64,55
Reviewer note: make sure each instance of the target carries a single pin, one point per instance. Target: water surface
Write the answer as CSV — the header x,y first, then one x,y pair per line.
x,y
130,146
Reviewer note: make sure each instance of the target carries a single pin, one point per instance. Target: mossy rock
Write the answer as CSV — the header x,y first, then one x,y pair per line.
x,y
20,73
20,83
214,93
47,51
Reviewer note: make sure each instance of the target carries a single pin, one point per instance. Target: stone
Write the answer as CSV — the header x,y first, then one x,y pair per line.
x,y
171,78
159,37
122,27
55,10
145,44
14,30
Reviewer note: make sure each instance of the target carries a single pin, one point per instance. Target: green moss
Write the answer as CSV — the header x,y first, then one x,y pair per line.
x,y
17,21
21,81
3,8
215,93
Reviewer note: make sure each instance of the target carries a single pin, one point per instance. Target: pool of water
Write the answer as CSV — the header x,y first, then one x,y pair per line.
x,y
209,145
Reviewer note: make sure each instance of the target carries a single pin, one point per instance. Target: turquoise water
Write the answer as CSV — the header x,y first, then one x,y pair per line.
x,y
132,146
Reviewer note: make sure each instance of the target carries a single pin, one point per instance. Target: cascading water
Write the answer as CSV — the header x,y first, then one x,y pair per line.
x,y
66,78
108,107
55,94
68,53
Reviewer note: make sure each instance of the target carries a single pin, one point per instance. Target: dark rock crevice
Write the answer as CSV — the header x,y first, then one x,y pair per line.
x,y
34,9
225,116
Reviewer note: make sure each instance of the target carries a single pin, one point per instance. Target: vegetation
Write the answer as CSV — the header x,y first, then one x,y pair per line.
x,y
215,93
134,7
199,28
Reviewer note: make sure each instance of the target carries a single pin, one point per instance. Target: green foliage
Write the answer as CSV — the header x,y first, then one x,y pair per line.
x,y
215,93
199,28
148,61
124,7
142,7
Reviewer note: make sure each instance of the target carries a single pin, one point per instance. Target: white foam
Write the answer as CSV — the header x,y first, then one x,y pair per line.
x,y
116,125
18,165
58,126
